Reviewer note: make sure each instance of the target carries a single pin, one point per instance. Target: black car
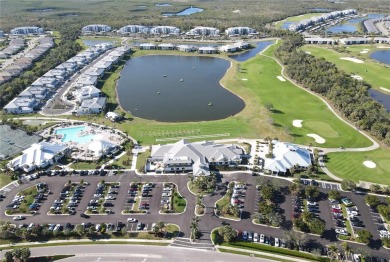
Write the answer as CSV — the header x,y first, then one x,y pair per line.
x,y
84,215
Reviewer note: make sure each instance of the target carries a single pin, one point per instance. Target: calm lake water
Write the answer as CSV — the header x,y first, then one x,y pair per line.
x,y
351,25
93,42
382,56
188,11
145,92
381,98
260,46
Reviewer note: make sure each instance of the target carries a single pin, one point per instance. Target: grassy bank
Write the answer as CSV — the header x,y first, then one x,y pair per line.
x,y
271,249
349,165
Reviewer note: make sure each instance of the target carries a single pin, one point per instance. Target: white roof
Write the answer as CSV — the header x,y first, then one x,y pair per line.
x,y
38,154
286,156
100,147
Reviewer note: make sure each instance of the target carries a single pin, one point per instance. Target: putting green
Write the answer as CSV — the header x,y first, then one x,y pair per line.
x,y
322,128
349,165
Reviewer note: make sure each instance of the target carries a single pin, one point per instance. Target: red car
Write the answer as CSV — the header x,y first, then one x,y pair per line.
x,y
335,210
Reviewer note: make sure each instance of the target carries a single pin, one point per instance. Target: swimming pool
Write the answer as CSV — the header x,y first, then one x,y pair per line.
x,y
71,134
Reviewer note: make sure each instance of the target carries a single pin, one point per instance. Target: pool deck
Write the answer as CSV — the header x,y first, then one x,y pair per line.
x,y
80,149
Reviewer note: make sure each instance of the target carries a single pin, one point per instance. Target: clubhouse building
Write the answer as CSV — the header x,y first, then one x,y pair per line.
x,y
184,156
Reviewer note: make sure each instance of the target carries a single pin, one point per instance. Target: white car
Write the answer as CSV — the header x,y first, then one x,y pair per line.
x,y
336,206
277,243
311,203
166,194
132,220
19,218
261,238
255,237
341,231
352,213
356,257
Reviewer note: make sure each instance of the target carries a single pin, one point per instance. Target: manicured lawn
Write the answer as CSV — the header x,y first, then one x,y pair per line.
x,y
372,72
4,179
349,165
271,249
296,19
252,255
84,165
141,159
179,203
291,102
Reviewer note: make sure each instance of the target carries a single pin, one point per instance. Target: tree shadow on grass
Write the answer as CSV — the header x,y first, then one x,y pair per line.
x,y
276,111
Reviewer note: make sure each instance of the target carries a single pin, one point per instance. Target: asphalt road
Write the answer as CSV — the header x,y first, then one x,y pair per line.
x,y
207,222
107,253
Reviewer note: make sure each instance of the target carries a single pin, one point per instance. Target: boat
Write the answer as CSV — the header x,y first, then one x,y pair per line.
x,y
193,67
164,75
136,109
210,104
158,93
181,80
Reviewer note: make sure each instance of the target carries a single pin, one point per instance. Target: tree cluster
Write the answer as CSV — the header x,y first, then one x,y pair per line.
x,y
309,223
347,95
18,254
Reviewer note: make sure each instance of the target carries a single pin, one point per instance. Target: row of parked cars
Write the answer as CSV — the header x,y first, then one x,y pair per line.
x,y
238,196
261,238
166,196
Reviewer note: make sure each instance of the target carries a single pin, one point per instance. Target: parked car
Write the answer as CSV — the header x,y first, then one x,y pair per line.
x,y
277,242
16,218
244,235
261,238
341,231
132,220
84,215
255,237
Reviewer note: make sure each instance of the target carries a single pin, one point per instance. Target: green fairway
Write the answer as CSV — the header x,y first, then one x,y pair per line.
x,y
372,72
349,165
296,19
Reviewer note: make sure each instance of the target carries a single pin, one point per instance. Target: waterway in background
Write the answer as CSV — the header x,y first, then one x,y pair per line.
x,y
382,56
351,25
176,88
188,11
381,98
260,46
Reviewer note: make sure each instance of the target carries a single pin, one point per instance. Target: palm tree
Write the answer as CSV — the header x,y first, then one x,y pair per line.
x,y
346,248
333,252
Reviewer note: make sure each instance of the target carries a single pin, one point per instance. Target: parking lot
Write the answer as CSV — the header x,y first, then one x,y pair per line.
x,y
158,195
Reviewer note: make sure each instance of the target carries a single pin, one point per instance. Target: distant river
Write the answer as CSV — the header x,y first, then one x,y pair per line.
x,y
176,88
260,46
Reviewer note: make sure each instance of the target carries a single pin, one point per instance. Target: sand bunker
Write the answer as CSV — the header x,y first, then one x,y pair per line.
x,y
236,11
357,77
307,52
297,123
365,51
355,60
244,79
281,78
369,164
317,138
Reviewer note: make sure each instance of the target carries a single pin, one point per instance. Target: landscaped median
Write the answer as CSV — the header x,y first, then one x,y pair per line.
x,y
276,253
91,242
224,208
